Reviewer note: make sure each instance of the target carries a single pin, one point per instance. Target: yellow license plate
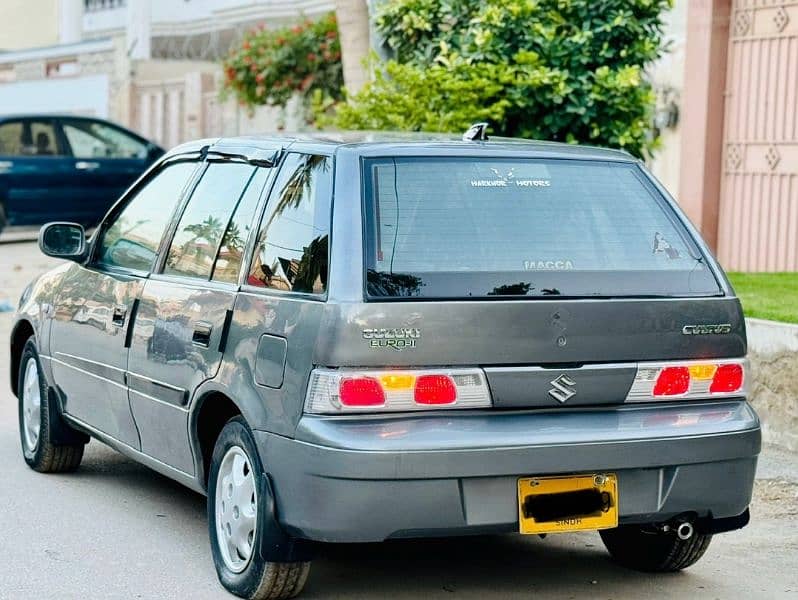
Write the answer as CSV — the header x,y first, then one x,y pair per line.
x,y
560,504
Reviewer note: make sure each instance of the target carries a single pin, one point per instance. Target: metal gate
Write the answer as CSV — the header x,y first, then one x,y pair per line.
x,y
758,212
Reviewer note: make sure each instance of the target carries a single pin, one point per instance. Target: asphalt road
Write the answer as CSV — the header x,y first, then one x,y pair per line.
x,y
115,529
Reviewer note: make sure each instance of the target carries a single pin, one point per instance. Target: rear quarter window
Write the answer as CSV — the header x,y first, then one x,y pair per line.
x,y
465,228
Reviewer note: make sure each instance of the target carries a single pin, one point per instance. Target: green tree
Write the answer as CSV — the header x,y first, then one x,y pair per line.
x,y
564,70
273,65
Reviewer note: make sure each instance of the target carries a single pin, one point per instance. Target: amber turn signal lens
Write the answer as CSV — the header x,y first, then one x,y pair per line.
x,y
399,381
702,372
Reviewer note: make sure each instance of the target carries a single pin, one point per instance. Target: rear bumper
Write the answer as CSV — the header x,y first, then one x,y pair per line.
x,y
357,480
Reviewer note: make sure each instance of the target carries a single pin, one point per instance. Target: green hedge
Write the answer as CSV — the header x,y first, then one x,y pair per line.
x,y
566,70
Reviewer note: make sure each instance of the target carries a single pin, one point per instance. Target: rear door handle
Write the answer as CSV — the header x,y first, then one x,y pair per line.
x,y
6,164
202,334
118,317
84,165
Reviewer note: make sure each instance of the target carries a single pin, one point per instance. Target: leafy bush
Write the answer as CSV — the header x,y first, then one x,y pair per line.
x,y
272,65
566,70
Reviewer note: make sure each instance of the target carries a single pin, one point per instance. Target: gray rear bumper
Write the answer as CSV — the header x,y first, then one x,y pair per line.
x,y
369,479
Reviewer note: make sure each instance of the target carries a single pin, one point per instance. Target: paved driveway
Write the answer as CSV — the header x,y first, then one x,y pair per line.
x,y
115,529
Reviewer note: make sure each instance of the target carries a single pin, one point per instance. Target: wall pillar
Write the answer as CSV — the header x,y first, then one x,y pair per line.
x,y
702,113
139,29
70,21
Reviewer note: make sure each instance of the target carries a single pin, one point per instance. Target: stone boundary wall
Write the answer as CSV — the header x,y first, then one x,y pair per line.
x,y
773,385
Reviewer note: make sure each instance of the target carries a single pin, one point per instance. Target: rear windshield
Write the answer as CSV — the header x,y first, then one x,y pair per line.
x,y
492,228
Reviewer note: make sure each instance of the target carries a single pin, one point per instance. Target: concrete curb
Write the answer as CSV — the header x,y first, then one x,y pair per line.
x,y
773,388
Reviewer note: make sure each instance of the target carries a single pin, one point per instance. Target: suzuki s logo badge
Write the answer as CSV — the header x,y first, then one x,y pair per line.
x,y
562,388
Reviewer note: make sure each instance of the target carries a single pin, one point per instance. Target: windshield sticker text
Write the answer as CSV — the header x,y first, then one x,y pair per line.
x,y
525,183
548,265
508,179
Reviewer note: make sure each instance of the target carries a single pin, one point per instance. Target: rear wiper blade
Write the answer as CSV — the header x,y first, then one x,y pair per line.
x,y
258,158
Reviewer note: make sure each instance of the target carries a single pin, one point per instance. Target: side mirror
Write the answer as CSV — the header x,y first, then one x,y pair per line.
x,y
63,240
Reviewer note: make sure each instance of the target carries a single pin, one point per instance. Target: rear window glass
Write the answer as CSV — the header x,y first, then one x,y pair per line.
x,y
460,228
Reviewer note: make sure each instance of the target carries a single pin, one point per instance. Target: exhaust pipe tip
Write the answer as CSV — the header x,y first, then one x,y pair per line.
x,y
685,531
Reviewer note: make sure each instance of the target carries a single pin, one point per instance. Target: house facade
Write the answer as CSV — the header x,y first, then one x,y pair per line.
x,y
153,66
727,89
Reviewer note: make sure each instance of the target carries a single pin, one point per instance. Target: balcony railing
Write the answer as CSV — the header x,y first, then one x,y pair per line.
x,y
98,5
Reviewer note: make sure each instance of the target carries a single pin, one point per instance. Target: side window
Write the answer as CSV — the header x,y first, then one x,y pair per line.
x,y
205,219
292,245
11,139
133,238
28,138
93,139
231,251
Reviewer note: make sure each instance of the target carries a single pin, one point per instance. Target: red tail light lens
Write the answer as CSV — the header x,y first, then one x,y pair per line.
x,y
728,378
672,381
435,389
361,391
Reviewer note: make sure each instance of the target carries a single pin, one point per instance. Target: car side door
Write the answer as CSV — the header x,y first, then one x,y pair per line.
x,y
184,313
277,318
103,161
97,304
34,175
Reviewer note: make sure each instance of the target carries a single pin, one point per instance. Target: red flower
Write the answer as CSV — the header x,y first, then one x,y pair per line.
x,y
306,82
296,29
331,35
247,45
312,57
260,77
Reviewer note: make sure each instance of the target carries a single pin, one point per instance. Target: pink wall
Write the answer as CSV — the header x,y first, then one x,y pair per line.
x,y
739,163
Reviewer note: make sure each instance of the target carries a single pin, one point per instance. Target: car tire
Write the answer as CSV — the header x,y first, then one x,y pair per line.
x,y
644,549
36,421
237,512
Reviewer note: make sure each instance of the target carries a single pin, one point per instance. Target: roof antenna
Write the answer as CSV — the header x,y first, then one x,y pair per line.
x,y
478,132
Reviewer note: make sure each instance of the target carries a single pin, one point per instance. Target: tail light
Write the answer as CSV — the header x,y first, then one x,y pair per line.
x,y
337,391
688,380
361,391
672,381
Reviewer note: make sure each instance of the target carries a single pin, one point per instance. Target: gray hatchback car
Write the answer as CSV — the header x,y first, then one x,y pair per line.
x,y
377,337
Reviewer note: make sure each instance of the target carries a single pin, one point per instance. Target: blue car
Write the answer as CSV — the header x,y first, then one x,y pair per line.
x,y
66,168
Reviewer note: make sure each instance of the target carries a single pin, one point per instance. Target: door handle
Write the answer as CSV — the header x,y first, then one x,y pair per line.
x,y
202,334
118,317
6,164
84,165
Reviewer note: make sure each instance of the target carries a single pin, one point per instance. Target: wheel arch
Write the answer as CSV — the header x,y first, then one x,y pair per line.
x,y
210,412
22,331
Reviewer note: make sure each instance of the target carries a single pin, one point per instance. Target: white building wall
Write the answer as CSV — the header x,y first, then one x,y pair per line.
x,y
667,75
86,95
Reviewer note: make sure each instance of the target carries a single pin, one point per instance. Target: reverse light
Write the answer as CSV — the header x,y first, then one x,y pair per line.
x,y
688,380
337,391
